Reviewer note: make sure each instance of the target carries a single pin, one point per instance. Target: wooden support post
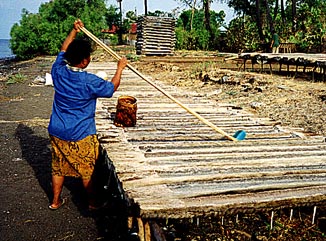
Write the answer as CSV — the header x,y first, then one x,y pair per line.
x,y
288,68
280,69
147,230
141,233
313,73
157,232
130,222
314,215
270,68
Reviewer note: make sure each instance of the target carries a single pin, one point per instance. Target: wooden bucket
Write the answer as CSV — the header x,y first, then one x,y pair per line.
x,y
125,115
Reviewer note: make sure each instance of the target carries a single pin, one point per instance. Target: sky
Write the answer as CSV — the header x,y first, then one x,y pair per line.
x,y
10,11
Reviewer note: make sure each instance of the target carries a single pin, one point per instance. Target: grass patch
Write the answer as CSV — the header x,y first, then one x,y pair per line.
x,y
132,57
17,78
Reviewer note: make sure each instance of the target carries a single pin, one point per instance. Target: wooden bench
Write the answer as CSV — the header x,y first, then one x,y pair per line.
x,y
287,47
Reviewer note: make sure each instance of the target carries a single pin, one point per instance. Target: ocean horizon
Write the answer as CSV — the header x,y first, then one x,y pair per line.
x,y
5,51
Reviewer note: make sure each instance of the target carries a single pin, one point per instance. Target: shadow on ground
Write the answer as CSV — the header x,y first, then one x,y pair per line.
x,y
35,150
111,219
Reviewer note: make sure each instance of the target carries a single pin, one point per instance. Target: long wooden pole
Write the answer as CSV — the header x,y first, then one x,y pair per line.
x,y
117,57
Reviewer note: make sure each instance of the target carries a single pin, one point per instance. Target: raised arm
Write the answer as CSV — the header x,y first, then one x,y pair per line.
x,y
122,63
71,36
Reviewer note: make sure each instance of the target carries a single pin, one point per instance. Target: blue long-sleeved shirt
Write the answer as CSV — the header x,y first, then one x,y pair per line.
x,y
74,104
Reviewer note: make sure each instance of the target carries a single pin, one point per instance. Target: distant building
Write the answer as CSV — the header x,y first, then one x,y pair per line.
x,y
112,30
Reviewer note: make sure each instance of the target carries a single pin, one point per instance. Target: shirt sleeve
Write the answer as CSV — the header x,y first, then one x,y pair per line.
x,y
99,87
60,61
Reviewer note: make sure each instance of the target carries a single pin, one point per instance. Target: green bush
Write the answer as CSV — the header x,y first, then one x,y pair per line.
x,y
114,39
242,35
44,32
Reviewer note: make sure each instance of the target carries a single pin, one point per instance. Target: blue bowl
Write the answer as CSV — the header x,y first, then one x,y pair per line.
x,y
240,135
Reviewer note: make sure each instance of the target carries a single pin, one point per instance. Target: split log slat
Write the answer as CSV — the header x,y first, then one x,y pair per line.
x,y
175,180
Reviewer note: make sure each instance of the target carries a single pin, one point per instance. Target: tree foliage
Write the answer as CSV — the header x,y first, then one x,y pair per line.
x,y
193,35
44,32
302,22
298,21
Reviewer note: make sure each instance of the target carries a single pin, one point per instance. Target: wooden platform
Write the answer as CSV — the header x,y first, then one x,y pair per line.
x,y
314,63
173,166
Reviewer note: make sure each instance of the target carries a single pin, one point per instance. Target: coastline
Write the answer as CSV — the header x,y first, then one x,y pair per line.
x,y
8,58
5,50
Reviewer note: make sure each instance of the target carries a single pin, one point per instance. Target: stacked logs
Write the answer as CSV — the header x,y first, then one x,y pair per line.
x,y
155,35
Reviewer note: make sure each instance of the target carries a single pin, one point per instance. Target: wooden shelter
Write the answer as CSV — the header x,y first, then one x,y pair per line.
x,y
155,35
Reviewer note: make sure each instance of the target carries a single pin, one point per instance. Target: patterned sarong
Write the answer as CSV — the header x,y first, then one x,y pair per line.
x,y
74,158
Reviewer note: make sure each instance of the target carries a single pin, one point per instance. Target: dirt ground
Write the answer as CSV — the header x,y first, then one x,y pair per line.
x,y
25,157
25,166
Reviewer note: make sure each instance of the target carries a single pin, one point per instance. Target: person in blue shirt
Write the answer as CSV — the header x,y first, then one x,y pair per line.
x,y
72,129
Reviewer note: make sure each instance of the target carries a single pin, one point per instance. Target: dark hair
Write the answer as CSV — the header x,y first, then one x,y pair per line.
x,y
78,50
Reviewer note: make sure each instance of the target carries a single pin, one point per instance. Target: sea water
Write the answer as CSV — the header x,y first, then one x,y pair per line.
x,y
5,51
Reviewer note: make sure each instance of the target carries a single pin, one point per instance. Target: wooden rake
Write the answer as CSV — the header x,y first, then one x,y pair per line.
x,y
239,135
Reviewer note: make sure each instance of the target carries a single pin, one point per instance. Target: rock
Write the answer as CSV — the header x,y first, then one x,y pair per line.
x,y
224,79
38,80
252,80
215,92
175,68
246,87
322,97
256,105
259,89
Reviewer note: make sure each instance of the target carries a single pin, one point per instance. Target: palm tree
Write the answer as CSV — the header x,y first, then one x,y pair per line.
x,y
294,15
145,5
120,23
259,20
269,17
207,15
192,14
206,5
283,12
